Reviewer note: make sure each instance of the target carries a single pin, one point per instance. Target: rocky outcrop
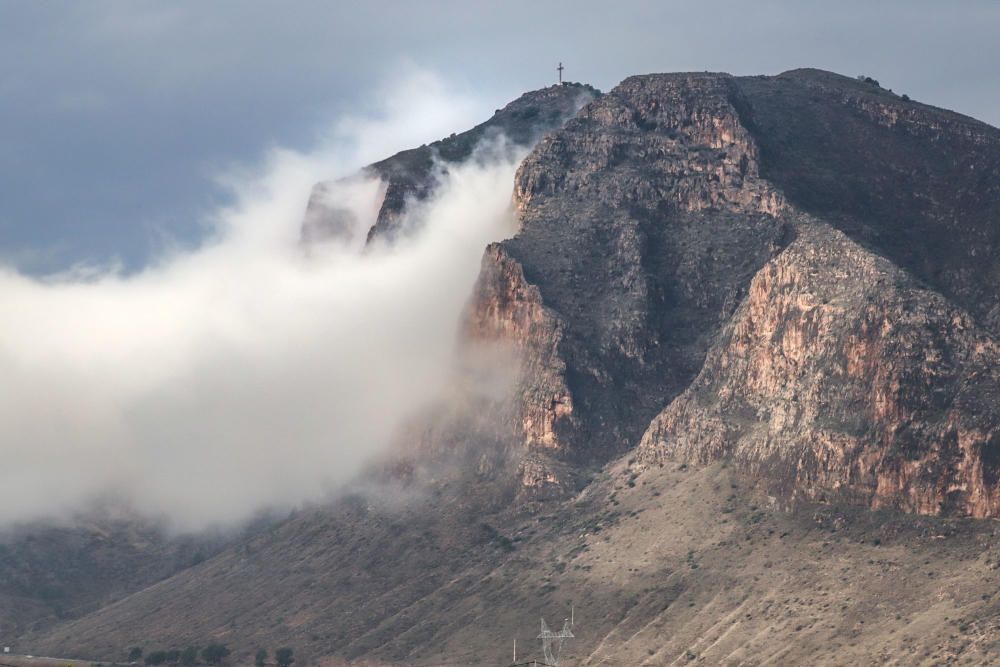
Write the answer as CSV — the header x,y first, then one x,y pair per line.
x,y
918,184
412,175
641,224
508,308
650,227
840,376
857,361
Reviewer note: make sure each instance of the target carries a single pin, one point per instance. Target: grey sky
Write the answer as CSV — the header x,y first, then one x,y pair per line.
x,y
115,115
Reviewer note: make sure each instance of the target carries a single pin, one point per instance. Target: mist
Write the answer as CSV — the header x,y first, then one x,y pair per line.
x,y
247,374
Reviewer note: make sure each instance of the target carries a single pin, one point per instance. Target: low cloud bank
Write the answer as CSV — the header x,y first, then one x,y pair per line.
x,y
247,375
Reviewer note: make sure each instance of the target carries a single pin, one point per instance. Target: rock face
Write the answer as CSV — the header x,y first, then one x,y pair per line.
x,y
804,262
642,222
410,175
839,374
917,184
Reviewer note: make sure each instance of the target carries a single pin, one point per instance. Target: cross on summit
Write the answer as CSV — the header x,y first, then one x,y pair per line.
x,y
560,68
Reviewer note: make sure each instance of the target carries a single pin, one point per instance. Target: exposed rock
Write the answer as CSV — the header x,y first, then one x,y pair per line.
x,y
507,308
918,184
644,220
840,375
342,210
410,175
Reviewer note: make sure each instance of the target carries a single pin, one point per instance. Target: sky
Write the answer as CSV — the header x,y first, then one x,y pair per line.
x,y
116,117
166,344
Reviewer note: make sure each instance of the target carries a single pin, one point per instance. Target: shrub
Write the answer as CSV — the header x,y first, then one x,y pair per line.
x,y
134,653
283,656
213,654
156,658
189,656
260,658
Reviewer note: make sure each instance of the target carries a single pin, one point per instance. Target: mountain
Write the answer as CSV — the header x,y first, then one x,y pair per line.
x,y
410,176
826,302
755,418
51,573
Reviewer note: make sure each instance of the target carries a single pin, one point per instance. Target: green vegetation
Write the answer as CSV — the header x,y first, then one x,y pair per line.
x,y
495,537
213,654
260,658
283,656
134,653
156,658
189,656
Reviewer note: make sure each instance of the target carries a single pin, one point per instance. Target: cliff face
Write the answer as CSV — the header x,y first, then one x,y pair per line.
x,y
919,185
410,176
840,375
802,256
642,222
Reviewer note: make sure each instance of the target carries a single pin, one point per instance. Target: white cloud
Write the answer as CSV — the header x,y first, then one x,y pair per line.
x,y
245,374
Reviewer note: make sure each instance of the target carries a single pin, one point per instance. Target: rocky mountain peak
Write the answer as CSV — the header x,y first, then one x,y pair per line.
x,y
655,221
408,176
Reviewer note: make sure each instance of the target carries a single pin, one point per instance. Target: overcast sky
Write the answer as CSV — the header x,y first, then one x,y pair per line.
x,y
115,117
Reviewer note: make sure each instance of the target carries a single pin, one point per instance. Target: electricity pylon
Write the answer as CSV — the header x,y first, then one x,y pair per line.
x,y
552,642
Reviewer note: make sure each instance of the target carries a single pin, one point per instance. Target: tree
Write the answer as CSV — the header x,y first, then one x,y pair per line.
x,y
213,654
189,656
134,653
173,655
156,658
260,658
283,656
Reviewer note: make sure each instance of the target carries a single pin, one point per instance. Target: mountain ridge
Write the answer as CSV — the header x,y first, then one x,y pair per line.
x,y
756,321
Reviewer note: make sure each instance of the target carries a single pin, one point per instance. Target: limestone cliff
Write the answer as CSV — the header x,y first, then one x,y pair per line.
x,y
641,223
652,225
840,375
680,234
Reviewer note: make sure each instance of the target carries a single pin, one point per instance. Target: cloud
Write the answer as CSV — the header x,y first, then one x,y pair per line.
x,y
246,374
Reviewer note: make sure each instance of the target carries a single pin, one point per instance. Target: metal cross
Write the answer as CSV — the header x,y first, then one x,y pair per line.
x,y
560,68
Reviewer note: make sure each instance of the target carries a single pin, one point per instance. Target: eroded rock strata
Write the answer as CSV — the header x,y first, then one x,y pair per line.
x,y
802,256
840,374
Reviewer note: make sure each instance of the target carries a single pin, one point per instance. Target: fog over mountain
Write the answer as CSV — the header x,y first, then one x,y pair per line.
x,y
249,373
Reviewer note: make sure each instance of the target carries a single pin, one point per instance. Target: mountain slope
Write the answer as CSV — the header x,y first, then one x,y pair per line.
x,y
670,566
841,375
50,573
754,323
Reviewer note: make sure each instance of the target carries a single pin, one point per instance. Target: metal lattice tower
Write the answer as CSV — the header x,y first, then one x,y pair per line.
x,y
552,642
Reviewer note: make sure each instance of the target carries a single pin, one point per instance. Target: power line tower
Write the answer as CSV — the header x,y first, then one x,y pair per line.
x,y
552,642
